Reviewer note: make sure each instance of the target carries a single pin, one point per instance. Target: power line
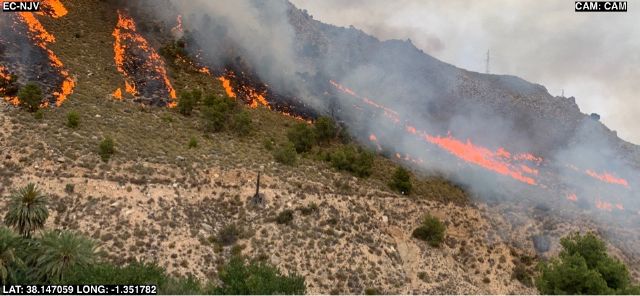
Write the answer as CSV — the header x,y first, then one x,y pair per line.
x,y
487,66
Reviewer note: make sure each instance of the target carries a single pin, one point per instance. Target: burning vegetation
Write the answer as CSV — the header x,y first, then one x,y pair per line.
x,y
526,168
144,71
26,56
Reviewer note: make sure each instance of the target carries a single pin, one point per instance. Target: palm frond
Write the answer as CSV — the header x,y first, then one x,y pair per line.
x,y
27,210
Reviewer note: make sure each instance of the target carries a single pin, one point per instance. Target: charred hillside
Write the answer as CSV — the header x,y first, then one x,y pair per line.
x,y
501,137
439,91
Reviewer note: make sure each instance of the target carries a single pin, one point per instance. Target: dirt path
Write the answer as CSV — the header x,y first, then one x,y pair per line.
x,y
410,254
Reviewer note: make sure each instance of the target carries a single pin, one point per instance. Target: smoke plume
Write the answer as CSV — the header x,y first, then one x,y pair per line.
x,y
501,136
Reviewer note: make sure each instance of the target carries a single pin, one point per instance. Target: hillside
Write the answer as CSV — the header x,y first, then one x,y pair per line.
x,y
159,200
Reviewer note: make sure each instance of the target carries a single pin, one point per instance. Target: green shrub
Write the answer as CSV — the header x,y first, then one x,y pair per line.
x,y
216,112
73,119
186,103
285,217
196,95
521,274
30,96
27,210
269,144
310,209
228,235
69,188
173,49
302,136
10,260
193,143
209,100
134,273
431,230
39,114
401,181
286,154
106,149
352,159
584,267
325,129
221,104
371,291
213,119
58,253
241,123
256,278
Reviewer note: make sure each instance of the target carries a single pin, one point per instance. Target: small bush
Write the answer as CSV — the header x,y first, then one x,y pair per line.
x,y
302,136
196,95
106,149
371,291
285,217
584,267
256,278
193,143
69,188
186,103
310,209
352,159
73,119
521,274
228,235
269,144
431,230
166,117
241,123
401,181
173,49
209,100
39,114
213,119
286,154
325,129
30,96
216,112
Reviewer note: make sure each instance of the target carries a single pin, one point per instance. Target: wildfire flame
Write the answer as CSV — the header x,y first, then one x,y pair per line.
x,y
127,38
467,151
608,178
42,38
226,84
55,8
117,94
480,156
4,75
523,167
603,205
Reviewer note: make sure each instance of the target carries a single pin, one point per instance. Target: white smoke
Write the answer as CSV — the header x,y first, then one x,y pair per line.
x,y
293,53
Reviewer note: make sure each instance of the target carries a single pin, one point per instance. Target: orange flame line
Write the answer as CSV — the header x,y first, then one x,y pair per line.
x,y
41,38
226,84
126,30
468,152
608,178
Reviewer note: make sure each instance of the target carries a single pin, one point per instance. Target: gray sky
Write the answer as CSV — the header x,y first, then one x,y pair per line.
x,y
592,56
